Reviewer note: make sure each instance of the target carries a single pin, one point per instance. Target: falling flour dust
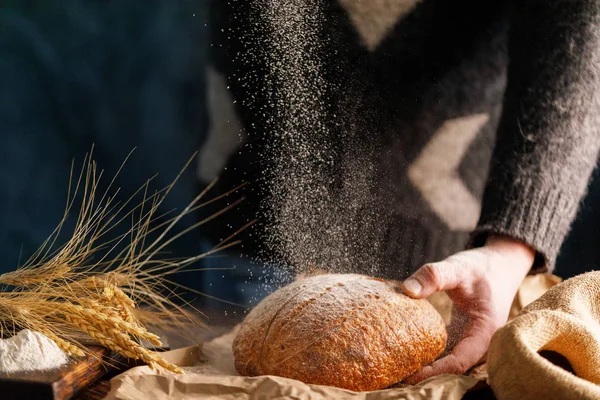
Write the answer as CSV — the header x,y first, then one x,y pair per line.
x,y
321,202
30,351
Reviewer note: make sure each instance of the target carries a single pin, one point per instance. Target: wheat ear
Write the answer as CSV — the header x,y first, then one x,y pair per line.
x,y
114,339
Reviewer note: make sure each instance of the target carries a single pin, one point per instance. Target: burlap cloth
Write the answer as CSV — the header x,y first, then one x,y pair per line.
x,y
565,320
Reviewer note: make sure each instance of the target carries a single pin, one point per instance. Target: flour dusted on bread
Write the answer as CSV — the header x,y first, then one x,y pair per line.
x,y
345,330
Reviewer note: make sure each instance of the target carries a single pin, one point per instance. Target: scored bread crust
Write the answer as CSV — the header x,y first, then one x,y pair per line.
x,y
344,330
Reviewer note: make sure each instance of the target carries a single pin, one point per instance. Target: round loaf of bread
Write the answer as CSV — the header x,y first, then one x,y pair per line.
x,y
344,330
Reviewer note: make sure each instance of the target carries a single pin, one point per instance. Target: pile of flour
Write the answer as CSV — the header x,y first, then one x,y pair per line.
x,y
30,351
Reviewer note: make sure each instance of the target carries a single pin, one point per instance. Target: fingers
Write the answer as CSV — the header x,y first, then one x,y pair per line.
x,y
466,354
435,277
465,276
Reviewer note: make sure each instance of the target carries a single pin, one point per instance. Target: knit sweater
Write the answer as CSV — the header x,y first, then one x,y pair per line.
x,y
479,118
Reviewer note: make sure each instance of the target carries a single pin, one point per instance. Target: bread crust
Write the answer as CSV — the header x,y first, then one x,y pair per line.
x,y
345,330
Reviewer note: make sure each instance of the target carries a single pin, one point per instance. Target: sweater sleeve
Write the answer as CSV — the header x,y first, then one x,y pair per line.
x,y
549,134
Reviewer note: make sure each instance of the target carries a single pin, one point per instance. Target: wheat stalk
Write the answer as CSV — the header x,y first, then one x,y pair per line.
x,y
64,295
115,335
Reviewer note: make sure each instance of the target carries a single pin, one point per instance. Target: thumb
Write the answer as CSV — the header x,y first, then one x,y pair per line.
x,y
431,278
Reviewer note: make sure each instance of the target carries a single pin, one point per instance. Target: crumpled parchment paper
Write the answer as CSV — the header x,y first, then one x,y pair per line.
x,y
210,372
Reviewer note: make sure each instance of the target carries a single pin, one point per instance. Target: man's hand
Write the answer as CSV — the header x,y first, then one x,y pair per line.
x,y
482,284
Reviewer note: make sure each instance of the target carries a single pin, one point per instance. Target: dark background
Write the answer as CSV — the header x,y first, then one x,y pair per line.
x,y
119,75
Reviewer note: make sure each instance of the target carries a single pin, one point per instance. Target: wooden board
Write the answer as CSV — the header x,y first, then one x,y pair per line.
x,y
62,383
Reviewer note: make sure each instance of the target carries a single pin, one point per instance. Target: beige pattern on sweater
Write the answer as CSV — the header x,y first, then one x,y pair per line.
x,y
373,19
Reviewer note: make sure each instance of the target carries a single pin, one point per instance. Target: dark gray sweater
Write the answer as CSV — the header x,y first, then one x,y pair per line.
x,y
477,118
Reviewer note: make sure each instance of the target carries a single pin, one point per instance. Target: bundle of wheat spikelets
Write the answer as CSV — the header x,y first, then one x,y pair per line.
x,y
71,298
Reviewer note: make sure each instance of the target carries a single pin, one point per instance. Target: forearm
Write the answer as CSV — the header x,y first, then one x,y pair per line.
x,y
548,138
